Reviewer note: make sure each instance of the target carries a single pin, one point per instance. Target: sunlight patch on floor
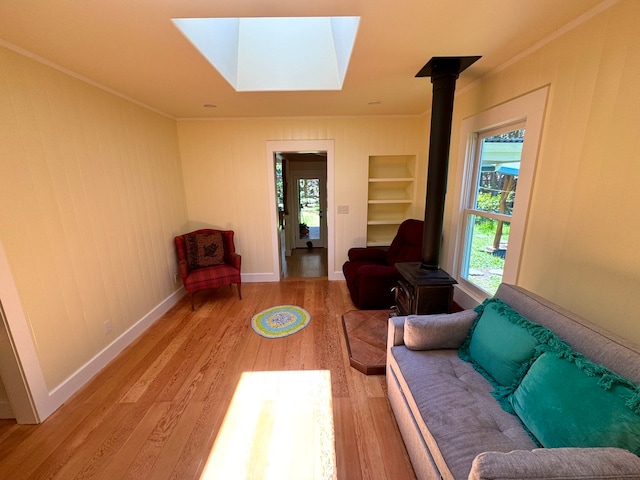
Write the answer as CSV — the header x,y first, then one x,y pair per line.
x,y
279,425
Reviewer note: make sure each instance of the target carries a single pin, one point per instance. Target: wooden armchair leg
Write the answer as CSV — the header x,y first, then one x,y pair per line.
x,y
239,290
192,307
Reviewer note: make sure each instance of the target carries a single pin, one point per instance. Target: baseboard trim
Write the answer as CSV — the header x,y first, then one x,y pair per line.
x,y
80,377
260,277
273,277
336,275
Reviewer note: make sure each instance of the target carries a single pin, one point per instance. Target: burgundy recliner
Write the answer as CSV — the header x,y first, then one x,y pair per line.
x,y
371,273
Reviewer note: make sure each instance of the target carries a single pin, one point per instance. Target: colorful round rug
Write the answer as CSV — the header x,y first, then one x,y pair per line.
x,y
281,321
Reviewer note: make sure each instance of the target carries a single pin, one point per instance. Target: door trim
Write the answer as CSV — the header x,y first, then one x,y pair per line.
x,y
272,147
21,372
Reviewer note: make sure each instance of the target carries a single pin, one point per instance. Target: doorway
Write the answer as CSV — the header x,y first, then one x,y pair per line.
x,y
303,198
303,192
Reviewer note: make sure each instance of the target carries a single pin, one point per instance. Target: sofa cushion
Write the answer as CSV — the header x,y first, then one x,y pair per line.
x,y
430,332
502,343
204,250
453,408
566,400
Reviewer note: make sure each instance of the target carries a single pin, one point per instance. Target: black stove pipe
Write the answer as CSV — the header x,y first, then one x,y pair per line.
x,y
444,72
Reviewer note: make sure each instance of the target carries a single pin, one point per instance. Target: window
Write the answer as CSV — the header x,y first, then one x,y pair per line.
x,y
489,205
309,208
499,148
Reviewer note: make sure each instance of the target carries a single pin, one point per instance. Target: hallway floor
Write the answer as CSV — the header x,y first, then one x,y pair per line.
x,y
305,263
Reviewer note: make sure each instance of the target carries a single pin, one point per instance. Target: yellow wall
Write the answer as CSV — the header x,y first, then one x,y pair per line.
x,y
226,174
580,247
91,197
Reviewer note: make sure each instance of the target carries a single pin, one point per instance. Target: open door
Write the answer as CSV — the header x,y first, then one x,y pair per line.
x,y
310,209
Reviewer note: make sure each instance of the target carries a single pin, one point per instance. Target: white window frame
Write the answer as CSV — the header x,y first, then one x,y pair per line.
x,y
529,108
470,194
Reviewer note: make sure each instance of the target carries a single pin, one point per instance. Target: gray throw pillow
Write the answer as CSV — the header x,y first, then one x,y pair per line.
x,y
560,463
433,332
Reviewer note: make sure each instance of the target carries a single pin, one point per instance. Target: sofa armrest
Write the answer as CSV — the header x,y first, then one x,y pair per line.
x,y
374,273
235,260
183,267
395,332
376,255
561,463
434,332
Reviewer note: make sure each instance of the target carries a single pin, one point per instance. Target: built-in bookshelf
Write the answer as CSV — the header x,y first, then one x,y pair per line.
x,y
391,196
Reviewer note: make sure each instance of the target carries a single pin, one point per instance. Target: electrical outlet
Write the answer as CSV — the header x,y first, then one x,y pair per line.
x,y
107,327
343,209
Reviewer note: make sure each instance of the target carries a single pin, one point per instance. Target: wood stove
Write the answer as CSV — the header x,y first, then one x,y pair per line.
x,y
424,287
420,291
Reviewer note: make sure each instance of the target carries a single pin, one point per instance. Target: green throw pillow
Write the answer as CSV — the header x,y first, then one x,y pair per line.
x,y
503,343
566,400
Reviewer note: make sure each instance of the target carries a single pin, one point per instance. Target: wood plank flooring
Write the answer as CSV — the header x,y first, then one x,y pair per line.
x,y
366,339
305,262
154,412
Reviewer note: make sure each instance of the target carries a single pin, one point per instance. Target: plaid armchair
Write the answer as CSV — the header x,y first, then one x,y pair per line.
x,y
370,272
207,259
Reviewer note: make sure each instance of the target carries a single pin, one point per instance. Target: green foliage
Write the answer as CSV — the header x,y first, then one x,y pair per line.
x,y
519,133
488,202
279,185
482,262
309,191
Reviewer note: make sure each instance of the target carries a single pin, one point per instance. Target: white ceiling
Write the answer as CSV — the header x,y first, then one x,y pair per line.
x,y
133,47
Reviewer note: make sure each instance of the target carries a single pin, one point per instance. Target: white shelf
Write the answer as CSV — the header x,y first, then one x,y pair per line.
x,y
383,222
392,166
391,179
389,202
390,197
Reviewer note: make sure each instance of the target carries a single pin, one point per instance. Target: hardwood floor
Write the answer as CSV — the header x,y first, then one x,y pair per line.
x,y
305,263
154,412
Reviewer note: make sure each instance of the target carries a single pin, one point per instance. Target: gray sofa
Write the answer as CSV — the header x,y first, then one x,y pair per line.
x,y
454,425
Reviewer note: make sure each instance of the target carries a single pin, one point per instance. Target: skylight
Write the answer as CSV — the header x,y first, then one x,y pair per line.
x,y
275,53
